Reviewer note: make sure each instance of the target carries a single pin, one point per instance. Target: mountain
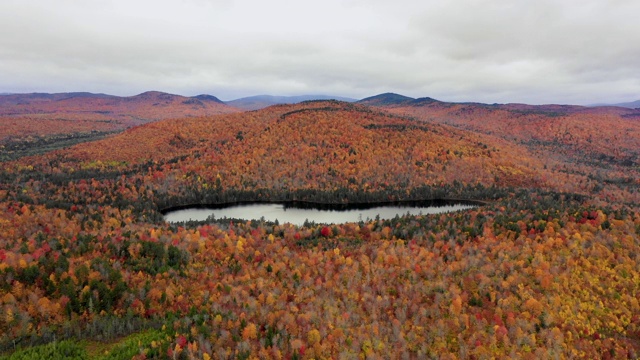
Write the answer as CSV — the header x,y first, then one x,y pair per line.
x,y
262,101
206,97
424,101
386,99
631,105
392,99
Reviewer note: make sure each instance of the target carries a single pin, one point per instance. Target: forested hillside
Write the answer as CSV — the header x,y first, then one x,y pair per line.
x,y
601,144
36,123
548,268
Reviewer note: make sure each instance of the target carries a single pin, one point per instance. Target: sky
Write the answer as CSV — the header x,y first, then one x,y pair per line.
x,y
491,51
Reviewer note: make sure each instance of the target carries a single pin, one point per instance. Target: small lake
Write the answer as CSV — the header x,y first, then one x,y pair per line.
x,y
298,213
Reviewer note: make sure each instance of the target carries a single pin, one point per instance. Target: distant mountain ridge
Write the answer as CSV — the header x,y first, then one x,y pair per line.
x,y
247,103
25,98
261,101
207,97
630,105
104,112
393,99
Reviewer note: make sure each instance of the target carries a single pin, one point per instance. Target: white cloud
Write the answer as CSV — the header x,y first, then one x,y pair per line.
x,y
473,50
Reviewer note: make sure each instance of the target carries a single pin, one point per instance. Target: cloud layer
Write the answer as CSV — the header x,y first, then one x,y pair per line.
x,y
544,51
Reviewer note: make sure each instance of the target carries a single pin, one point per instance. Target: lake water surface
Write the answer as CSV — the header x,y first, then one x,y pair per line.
x,y
297,214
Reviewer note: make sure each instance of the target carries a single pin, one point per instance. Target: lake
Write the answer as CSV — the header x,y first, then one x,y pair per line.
x,y
298,213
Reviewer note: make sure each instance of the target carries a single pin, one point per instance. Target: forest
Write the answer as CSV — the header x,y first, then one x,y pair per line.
x,y
548,267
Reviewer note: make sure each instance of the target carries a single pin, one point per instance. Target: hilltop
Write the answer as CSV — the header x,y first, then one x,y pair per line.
x,y
386,99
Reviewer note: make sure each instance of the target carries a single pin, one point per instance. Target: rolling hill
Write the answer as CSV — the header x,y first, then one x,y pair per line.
x,y
601,135
132,110
546,268
320,144
33,122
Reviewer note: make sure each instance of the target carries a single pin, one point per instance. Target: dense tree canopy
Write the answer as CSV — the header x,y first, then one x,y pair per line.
x,y
548,268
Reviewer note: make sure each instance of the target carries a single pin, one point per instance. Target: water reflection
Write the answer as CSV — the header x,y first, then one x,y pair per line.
x,y
297,214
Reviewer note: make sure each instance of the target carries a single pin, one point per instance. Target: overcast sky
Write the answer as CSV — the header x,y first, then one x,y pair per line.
x,y
531,51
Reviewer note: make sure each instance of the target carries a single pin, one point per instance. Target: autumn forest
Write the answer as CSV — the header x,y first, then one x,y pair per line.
x,y
547,267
